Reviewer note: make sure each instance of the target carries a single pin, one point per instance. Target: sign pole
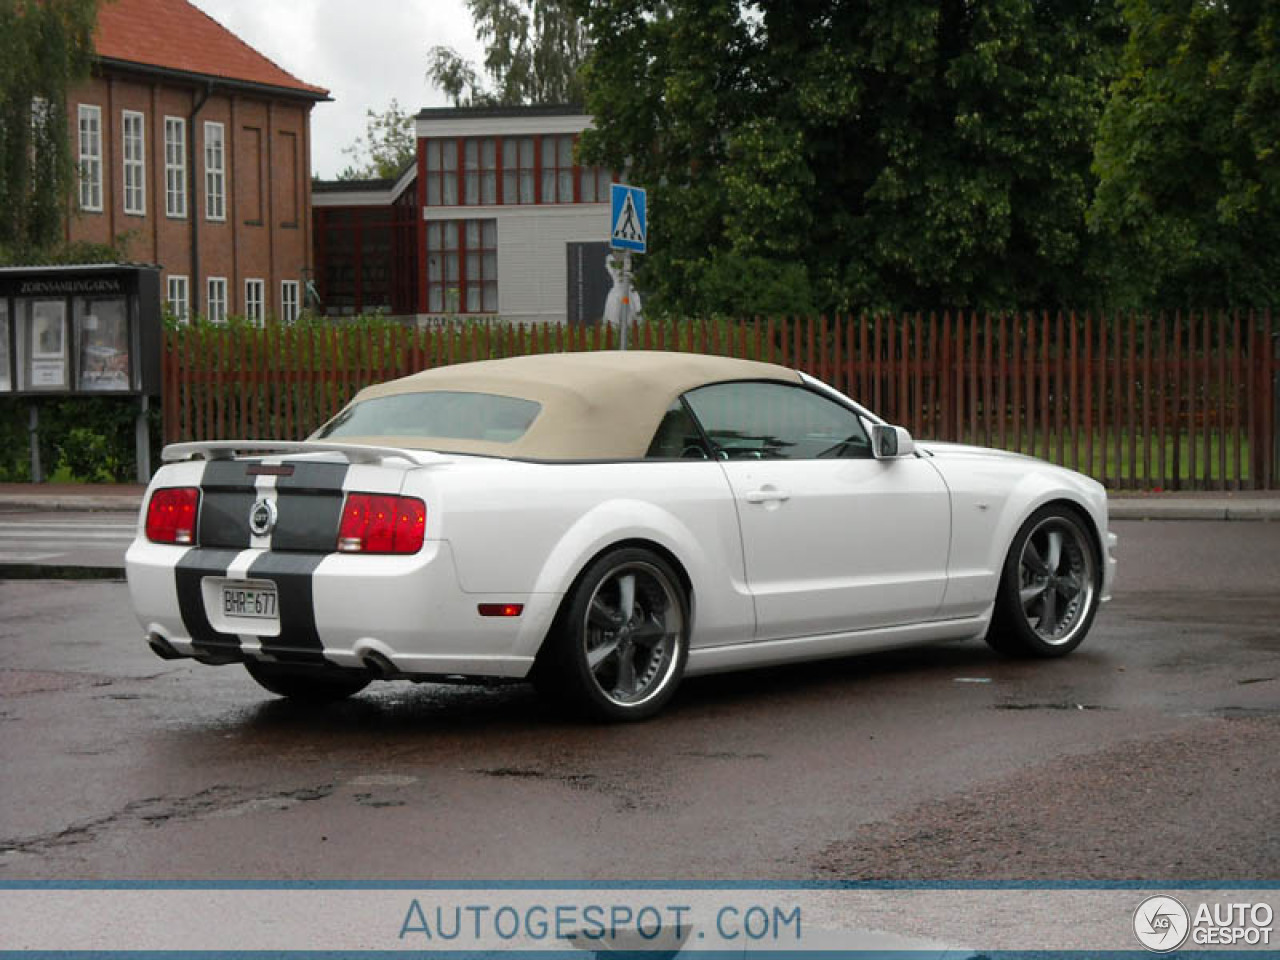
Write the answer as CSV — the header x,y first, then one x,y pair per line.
x,y
625,312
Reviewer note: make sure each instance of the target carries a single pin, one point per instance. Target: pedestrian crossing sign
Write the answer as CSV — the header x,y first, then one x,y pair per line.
x,y
629,228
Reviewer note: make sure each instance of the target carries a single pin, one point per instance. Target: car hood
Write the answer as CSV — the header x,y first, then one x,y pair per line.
x,y
956,451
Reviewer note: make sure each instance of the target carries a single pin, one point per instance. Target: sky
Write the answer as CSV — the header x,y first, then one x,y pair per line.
x,y
365,52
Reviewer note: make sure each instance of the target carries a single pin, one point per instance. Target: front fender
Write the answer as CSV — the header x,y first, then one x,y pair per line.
x,y
989,504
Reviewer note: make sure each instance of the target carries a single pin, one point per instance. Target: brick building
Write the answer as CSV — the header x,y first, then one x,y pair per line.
x,y
496,217
197,148
366,240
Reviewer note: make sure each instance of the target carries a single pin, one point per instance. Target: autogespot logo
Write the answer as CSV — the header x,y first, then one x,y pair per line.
x,y
1161,924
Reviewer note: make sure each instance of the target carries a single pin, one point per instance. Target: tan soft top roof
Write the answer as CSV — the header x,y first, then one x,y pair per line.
x,y
603,405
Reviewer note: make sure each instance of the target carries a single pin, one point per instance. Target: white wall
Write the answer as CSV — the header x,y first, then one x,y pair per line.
x,y
533,272
533,268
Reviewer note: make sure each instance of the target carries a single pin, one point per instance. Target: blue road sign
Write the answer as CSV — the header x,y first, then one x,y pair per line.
x,y
629,224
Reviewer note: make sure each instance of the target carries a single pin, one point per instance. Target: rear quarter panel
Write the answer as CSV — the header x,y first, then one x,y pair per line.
x,y
531,528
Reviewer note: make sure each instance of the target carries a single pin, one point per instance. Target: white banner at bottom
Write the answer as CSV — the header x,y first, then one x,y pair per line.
x,y
673,919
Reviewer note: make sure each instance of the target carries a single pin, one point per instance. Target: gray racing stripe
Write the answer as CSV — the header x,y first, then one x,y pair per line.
x,y
196,564
292,574
227,495
309,502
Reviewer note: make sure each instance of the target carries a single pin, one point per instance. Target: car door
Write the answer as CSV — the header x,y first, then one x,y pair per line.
x,y
834,540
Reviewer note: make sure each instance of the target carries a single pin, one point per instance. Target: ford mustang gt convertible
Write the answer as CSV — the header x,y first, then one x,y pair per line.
x,y
603,524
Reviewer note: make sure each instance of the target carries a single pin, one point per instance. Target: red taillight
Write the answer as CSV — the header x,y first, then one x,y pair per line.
x,y
381,523
501,609
171,515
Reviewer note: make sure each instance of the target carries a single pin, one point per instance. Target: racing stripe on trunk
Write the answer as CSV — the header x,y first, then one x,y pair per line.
x,y
309,502
196,564
228,494
309,508
292,573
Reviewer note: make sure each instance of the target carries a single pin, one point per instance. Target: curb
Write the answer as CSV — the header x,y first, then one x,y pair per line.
x,y
1261,510
80,504
40,571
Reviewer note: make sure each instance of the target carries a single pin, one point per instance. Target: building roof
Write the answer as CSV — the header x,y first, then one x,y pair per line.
x,y
372,185
530,110
175,36
603,405
364,193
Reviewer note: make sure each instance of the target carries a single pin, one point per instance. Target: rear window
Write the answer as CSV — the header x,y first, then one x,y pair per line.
x,y
443,413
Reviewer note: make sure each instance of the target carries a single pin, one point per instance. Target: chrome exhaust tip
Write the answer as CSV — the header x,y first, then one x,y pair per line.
x,y
379,665
162,648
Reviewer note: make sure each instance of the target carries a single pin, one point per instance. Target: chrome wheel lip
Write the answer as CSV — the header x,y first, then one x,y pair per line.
x,y
1062,581
605,649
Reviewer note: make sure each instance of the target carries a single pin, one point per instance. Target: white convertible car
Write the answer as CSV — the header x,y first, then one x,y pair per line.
x,y
604,524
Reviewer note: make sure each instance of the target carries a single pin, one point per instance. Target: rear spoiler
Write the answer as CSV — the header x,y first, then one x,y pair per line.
x,y
354,452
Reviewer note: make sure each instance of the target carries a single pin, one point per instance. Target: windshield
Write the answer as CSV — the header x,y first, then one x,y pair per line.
x,y
440,413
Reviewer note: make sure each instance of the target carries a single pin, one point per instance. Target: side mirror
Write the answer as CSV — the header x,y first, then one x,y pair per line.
x,y
891,443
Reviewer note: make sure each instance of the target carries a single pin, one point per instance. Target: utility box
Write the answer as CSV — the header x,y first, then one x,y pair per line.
x,y
84,330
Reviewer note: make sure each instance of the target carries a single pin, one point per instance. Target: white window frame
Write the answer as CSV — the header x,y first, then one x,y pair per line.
x,y
215,171
133,168
216,301
289,301
254,294
89,124
175,167
177,295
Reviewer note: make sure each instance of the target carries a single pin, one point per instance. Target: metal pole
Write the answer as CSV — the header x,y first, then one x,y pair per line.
x,y
33,433
625,313
142,441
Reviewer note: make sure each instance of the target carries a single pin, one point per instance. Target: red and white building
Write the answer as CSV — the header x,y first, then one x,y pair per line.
x,y
495,218
197,150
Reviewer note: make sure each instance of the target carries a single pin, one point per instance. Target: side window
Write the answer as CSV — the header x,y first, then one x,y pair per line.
x,y
758,420
677,437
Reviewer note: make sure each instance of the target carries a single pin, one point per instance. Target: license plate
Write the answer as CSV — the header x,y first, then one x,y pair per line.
x,y
250,601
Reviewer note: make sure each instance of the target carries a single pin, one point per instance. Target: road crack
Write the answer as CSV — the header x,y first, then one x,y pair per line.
x,y
212,802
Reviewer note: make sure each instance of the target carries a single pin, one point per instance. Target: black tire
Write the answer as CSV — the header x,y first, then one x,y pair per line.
x,y
1048,595
611,667
307,684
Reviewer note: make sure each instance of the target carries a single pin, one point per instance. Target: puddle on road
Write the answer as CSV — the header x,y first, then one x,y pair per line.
x,y
1049,706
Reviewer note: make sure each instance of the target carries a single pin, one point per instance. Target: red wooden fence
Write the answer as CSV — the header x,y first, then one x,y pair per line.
x,y
1182,401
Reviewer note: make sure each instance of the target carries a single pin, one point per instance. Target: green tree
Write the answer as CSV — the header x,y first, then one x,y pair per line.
x,y
45,49
881,154
533,52
388,144
1189,153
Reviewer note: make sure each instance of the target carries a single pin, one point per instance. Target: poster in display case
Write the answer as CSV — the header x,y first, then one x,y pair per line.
x,y
47,340
103,328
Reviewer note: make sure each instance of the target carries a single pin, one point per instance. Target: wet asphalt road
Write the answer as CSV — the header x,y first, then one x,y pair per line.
x,y
1152,753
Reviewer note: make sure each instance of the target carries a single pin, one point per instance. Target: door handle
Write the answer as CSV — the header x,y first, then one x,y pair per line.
x,y
766,494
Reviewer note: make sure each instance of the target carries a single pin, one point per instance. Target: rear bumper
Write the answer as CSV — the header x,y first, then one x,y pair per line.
x,y
346,610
